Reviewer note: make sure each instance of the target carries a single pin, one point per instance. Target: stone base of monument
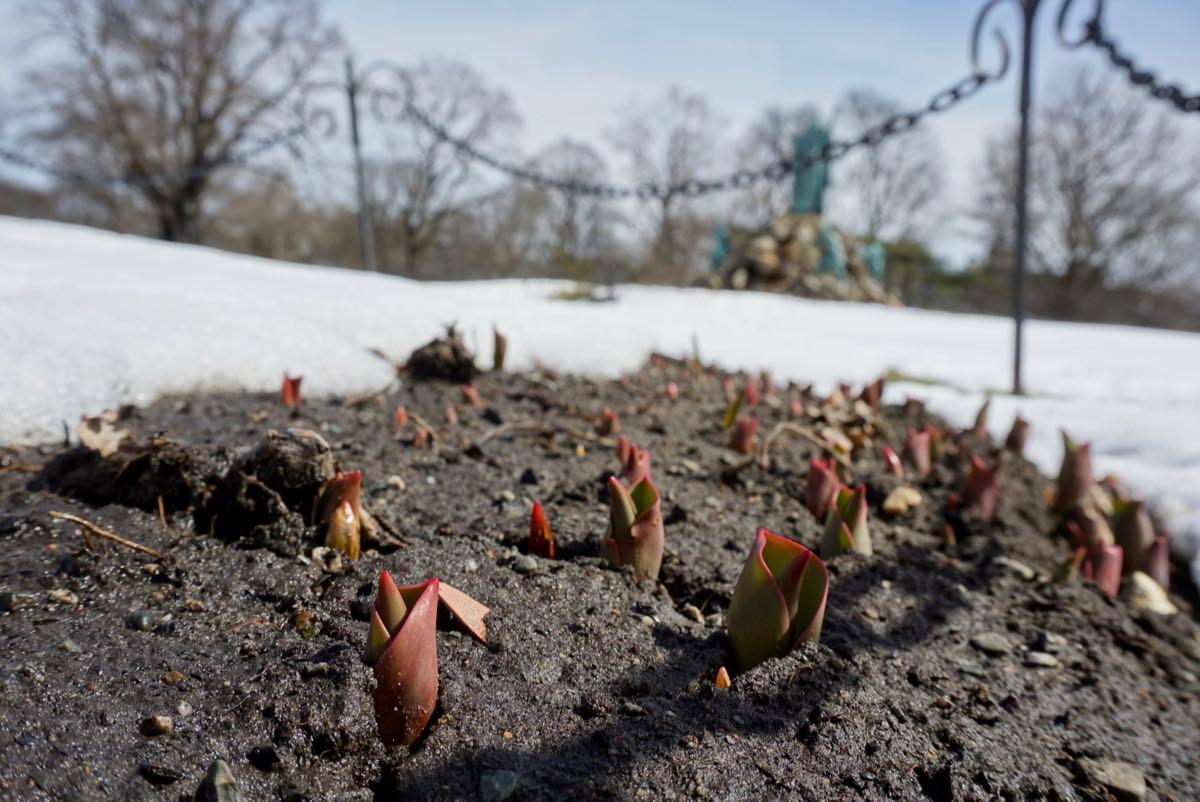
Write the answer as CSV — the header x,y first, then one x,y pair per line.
x,y
802,254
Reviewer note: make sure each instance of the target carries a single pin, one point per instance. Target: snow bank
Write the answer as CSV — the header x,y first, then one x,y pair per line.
x,y
89,319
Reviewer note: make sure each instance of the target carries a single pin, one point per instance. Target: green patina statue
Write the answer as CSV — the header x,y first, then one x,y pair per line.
x,y
875,258
720,249
810,177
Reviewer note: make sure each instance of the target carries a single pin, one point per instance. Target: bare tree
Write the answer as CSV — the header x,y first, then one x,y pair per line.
x,y
770,138
893,185
579,226
418,191
167,93
671,140
1113,196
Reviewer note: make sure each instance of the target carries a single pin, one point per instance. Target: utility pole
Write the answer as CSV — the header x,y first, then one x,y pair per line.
x,y
1029,9
366,236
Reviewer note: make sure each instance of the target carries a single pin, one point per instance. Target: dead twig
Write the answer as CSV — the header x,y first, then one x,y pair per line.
x,y
421,423
359,400
162,514
104,533
803,432
20,468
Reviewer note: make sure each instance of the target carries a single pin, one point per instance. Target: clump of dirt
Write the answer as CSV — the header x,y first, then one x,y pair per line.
x,y
950,667
134,476
265,497
446,358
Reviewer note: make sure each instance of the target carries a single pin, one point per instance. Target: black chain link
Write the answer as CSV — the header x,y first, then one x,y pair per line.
x,y
740,179
1094,35
894,125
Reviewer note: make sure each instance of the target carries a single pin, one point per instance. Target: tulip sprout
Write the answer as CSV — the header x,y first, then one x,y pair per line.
x,y
1075,480
743,436
778,602
636,465
917,450
822,483
891,462
499,349
979,428
635,528
338,506
291,391
609,424
1017,436
981,487
470,395
541,541
846,524
402,651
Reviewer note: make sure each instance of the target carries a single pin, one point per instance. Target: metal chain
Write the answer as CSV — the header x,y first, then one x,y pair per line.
x,y
871,137
1162,90
1095,35
778,170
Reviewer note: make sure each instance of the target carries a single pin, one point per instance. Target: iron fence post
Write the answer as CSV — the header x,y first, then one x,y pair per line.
x,y
366,236
1029,9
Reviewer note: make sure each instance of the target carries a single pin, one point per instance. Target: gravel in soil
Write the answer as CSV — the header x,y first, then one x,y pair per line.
x,y
949,667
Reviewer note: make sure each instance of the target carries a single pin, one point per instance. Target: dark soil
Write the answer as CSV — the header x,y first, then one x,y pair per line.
x,y
591,686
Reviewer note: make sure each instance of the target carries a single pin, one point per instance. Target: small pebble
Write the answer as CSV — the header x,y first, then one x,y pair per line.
x,y
1144,593
396,483
1123,781
159,775
1019,568
183,709
647,621
329,560
1049,642
218,785
693,612
173,677
156,725
194,606
524,564
991,643
1041,660
498,786
145,620
70,646
64,596
529,477
470,566
901,500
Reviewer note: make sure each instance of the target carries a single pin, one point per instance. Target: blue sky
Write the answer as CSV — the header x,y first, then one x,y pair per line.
x,y
570,66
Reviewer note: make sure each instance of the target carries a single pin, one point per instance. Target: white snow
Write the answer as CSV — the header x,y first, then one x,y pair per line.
x,y
90,319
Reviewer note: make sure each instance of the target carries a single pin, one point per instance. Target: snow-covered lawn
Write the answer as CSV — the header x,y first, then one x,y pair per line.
x,y
89,319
